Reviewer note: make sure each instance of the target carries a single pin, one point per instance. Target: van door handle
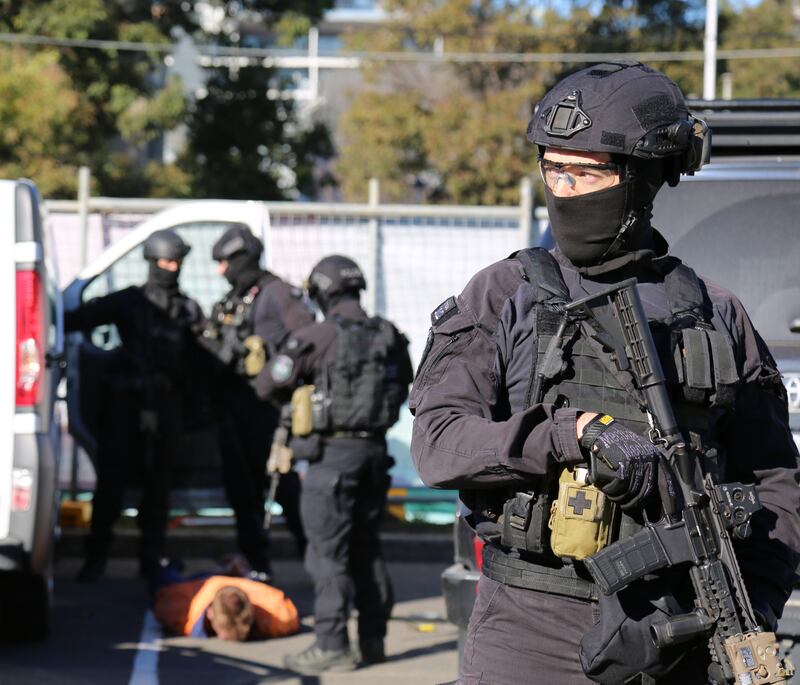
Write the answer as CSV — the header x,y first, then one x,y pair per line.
x,y
794,325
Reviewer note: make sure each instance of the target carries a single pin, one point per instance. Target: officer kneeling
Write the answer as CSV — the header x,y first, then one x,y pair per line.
x,y
360,371
542,426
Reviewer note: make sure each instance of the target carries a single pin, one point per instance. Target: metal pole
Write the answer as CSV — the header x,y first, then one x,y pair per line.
x,y
84,178
313,62
727,85
710,52
374,199
526,237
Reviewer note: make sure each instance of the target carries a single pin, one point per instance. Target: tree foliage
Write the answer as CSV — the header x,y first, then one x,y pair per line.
x,y
43,121
109,108
456,131
769,24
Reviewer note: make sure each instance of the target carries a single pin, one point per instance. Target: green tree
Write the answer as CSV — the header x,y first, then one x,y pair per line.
x,y
243,144
768,24
456,130
43,121
240,141
122,94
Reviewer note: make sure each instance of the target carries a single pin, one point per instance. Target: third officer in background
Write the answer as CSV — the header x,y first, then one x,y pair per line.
x,y
360,371
141,400
509,402
253,318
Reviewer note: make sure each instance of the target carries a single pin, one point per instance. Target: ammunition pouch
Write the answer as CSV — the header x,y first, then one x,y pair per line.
x,y
525,518
255,355
320,411
302,413
705,366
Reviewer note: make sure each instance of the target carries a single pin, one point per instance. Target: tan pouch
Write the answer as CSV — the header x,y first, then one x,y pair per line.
x,y
256,355
301,411
582,518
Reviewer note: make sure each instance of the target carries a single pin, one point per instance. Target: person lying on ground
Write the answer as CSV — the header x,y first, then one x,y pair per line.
x,y
225,606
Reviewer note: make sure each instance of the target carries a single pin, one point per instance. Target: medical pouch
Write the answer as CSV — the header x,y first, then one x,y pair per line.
x,y
582,518
302,423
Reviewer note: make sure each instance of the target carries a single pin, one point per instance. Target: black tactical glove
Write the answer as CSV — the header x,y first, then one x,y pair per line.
x,y
623,464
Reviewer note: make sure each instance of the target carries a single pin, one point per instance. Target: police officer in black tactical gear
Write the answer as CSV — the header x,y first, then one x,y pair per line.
x,y
141,401
509,405
356,370
253,318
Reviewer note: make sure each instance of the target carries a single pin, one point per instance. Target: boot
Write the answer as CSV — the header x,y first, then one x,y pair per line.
x,y
314,660
371,650
93,569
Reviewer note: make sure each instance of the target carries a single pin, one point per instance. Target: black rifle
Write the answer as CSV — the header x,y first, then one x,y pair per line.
x,y
700,520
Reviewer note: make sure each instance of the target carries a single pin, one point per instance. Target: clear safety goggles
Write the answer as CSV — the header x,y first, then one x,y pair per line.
x,y
583,177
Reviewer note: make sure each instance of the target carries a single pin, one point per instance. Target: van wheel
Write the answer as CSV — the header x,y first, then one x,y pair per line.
x,y
24,606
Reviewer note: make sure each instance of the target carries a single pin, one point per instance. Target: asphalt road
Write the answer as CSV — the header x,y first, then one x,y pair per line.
x,y
103,634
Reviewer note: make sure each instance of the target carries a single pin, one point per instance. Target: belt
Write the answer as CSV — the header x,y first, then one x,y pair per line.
x,y
368,435
530,576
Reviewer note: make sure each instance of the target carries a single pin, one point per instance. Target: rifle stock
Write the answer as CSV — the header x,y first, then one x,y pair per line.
x,y
700,516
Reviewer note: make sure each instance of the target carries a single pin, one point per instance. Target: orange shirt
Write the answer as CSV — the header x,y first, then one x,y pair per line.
x,y
179,606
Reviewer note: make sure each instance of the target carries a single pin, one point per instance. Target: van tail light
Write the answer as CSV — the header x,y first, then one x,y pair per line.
x,y
30,329
477,546
21,489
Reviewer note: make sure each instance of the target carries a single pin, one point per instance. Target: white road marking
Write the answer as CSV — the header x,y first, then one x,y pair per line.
x,y
145,664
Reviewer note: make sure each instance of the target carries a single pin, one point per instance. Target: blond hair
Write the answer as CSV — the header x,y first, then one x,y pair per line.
x,y
233,614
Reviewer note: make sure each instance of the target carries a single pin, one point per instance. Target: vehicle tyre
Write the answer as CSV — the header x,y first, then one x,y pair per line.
x,y
24,606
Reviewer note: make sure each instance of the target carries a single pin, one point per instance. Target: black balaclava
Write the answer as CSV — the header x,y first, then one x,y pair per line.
x,y
325,304
243,270
608,228
162,278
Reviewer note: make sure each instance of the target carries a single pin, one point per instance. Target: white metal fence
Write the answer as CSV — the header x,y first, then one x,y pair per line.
x,y
414,256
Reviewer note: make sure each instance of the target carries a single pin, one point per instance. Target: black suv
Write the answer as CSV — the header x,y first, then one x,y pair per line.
x,y
737,222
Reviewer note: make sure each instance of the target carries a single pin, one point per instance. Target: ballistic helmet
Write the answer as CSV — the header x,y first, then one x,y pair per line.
x,y
622,108
238,239
165,244
333,276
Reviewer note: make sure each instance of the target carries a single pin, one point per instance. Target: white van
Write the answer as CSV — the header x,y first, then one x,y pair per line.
x,y
31,359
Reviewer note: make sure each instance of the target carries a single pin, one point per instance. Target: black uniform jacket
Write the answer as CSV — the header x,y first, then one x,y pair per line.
x,y
278,310
305,352
477,366
155,327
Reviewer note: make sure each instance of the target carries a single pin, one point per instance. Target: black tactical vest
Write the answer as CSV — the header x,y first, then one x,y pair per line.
x,y
364,386
698,360
578,371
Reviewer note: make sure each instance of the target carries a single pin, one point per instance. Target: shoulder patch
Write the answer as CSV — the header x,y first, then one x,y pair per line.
x,y
281,368
444,311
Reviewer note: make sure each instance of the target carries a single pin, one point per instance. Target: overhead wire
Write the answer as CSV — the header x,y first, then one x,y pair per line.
x,y
395,56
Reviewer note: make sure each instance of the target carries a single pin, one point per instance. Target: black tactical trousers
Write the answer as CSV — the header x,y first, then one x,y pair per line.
x,y
129,457
343,499
247,426
513,631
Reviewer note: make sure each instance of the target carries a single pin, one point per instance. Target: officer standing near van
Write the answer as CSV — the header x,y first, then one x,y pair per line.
x,y
244,329
360,371
503,414
140,402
